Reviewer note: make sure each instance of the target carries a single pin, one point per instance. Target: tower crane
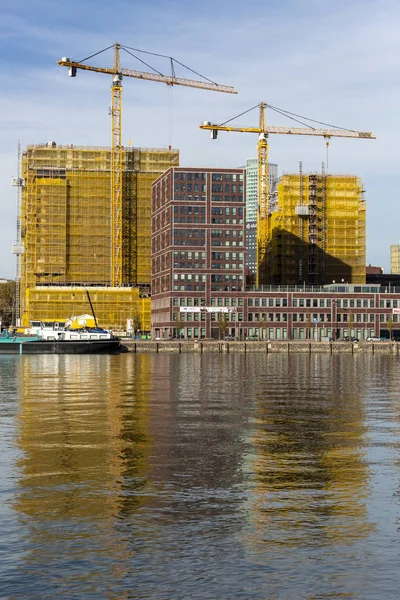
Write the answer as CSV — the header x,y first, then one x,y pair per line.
x,y
118,74
263,131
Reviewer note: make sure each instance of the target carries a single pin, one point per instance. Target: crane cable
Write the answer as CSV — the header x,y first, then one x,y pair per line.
x,y
289,115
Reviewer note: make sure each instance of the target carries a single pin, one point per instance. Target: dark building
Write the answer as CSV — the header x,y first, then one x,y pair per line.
x,y
370,270
198,245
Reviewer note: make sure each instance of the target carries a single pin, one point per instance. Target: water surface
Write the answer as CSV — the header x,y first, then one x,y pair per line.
x,y
199,476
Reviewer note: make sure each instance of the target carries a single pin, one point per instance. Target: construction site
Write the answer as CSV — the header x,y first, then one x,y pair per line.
x,y
316,230
66,232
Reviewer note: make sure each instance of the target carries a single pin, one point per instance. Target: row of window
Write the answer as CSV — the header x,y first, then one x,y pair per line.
x,y
191,242
189,255
232,198
227,177
319,318
218,189
197,316
189,287
189,187
190,176
202,198
202,302
189,277
283,317
189,198
190,210
226,243
190,232
321,302
189,265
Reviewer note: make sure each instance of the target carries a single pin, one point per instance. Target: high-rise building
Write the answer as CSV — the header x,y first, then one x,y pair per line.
x,y
252,207
395,259
66,226
316,231
198,245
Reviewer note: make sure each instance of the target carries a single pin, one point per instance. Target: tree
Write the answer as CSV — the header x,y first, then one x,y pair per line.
x,y
351,324
7,303
390,324
263,325
179,324
308,327
222,324
136,321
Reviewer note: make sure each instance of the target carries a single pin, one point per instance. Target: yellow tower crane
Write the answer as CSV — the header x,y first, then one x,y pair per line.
x,y
263,131
116,129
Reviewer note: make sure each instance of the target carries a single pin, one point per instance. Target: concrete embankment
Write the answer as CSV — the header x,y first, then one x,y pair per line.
x,y
281,347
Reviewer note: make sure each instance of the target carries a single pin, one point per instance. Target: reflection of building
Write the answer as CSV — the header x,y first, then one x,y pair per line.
x,y
308,448
66,223
316,231
85,445
395,259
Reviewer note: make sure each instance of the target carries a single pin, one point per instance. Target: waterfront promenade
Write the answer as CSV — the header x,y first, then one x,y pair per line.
x,y
268,347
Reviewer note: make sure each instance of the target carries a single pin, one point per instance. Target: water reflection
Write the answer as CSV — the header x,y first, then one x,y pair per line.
x,y
202,476
310,470
84,462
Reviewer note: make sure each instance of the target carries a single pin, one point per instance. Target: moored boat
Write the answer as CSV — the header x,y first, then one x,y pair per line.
x,y
84,341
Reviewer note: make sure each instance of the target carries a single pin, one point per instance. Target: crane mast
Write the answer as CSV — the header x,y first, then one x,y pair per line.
x,y
116,138
116,174
263,131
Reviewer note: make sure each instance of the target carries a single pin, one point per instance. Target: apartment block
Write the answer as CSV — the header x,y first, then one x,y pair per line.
x,y
198,244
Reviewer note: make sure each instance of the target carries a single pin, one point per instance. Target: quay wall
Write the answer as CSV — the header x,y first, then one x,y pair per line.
x,y
281,347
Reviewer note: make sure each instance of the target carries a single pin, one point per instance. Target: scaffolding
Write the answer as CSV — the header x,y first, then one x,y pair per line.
x,y
112,306
66,216
317,230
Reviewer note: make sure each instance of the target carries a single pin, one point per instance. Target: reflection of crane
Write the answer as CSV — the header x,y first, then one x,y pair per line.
x,y
116,138
262,154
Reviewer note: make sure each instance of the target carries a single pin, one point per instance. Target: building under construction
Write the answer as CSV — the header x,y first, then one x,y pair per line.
x,y
66,231
316,230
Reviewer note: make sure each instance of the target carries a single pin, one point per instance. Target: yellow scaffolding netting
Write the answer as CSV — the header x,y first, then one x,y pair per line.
x,y
112,306
317,230
66,216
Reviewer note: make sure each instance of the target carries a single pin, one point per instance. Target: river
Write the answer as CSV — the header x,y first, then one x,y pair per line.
x,y
167,477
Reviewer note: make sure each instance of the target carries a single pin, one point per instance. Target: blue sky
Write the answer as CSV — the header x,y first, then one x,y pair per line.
x,y
335,61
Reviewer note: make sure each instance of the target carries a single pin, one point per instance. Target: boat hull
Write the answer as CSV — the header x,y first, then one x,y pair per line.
x,y
61,347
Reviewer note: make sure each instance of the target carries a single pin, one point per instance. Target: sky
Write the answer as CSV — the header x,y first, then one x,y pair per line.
x,y
335,61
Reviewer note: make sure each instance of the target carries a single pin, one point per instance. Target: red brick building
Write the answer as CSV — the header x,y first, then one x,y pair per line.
x,y
198,273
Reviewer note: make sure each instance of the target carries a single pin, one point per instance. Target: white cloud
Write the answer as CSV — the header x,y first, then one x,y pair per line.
x,y
337,62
